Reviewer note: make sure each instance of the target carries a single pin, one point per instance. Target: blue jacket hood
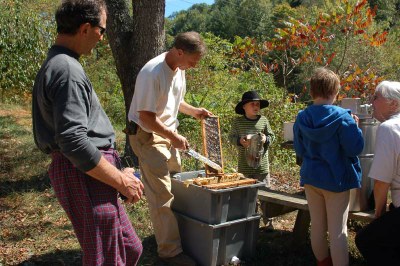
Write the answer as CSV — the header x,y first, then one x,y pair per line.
x,y
321,122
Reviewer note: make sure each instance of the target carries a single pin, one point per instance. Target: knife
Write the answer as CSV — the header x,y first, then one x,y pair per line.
x,y
203,159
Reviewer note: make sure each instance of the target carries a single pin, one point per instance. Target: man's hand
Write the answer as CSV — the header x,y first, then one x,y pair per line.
x,y
179,142
133,187
245,141
355,118
202,113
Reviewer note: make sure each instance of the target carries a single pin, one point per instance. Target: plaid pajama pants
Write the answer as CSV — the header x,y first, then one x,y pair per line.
x,y
100,222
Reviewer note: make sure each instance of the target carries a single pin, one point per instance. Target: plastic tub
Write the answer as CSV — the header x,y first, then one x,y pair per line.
x,y
212,245
213,206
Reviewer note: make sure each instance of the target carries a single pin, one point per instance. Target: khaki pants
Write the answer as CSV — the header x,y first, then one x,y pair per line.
x,y
329,212
157,159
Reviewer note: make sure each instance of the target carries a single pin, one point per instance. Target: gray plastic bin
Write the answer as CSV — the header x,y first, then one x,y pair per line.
x,y
213,206
212,245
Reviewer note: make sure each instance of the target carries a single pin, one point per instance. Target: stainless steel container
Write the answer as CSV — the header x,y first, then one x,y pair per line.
x,y
368,126
359,197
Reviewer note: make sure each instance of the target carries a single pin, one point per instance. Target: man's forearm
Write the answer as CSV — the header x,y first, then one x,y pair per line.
x,y
187,109
150,121
107,173
198,113
380,194
153,123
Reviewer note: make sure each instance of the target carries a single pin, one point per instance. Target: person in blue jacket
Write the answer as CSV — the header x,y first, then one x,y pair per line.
x,y
328,140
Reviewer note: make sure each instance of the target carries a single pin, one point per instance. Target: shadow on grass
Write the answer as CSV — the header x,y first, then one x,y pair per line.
x,y
58,258
34,183
74,257
21,163
278,248
149,255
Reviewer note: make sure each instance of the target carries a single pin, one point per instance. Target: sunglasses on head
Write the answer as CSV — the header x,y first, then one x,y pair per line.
x,y
102,30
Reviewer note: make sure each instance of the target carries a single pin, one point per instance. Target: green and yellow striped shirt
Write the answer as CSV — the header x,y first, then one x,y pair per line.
x,y
243,126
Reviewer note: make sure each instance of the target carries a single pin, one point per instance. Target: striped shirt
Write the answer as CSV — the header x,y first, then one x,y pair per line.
x,y
243,126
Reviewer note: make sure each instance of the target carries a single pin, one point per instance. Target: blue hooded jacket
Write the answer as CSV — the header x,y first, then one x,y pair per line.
x,y
328,140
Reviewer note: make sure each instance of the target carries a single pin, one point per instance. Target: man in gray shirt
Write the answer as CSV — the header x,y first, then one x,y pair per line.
x,y
70,124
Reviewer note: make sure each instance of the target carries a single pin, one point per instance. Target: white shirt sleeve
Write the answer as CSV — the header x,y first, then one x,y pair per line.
x,y
384,164
146,92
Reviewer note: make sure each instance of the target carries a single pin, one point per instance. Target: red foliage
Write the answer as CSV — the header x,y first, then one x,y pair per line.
x,y
307,42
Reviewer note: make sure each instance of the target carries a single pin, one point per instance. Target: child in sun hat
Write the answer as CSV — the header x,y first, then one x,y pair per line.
x,y
252,134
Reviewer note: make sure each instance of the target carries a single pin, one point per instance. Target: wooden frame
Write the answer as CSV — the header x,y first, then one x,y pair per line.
x,y
212,143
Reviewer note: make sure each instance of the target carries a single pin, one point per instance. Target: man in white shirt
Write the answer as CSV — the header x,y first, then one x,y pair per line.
x,y
379,242
159,96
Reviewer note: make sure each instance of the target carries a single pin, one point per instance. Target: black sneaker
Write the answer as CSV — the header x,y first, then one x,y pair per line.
x,y
180,260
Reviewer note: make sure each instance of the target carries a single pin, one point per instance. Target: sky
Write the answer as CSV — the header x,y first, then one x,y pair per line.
x,y
172,6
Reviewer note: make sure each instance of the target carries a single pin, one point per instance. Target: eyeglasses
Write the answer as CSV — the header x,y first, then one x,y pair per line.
x,y
375,97
102,30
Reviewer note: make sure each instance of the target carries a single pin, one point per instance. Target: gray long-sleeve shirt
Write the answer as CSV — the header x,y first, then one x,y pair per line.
x,y
67,115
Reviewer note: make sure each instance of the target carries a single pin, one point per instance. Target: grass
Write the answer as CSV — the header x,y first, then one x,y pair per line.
x,y
34,229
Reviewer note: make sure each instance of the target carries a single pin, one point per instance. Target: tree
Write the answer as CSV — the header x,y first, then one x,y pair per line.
x,y
194,19
136,34
240,17
225,19
388,10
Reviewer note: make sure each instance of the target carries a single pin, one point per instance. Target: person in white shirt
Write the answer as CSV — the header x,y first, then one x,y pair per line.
x,y
159,96
379,241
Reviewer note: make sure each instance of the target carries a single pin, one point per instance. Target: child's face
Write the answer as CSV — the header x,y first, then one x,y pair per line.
x,y
252,108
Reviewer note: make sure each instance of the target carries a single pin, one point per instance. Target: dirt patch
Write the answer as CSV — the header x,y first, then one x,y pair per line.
x,y
22,116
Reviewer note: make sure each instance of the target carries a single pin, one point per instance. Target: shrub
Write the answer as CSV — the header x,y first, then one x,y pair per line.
x,y
24,41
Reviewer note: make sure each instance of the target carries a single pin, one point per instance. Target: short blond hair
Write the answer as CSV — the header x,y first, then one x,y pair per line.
x,y
324,83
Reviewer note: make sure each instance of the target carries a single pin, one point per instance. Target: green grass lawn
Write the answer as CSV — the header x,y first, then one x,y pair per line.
x,y
34,229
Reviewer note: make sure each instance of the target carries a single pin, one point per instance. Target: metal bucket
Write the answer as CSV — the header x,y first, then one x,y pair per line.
x,y
359,196
368,127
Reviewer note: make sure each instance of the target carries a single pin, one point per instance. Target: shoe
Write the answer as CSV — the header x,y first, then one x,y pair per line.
x,y
180,260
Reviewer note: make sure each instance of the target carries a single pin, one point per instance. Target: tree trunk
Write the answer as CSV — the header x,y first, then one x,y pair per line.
x,y
134,38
